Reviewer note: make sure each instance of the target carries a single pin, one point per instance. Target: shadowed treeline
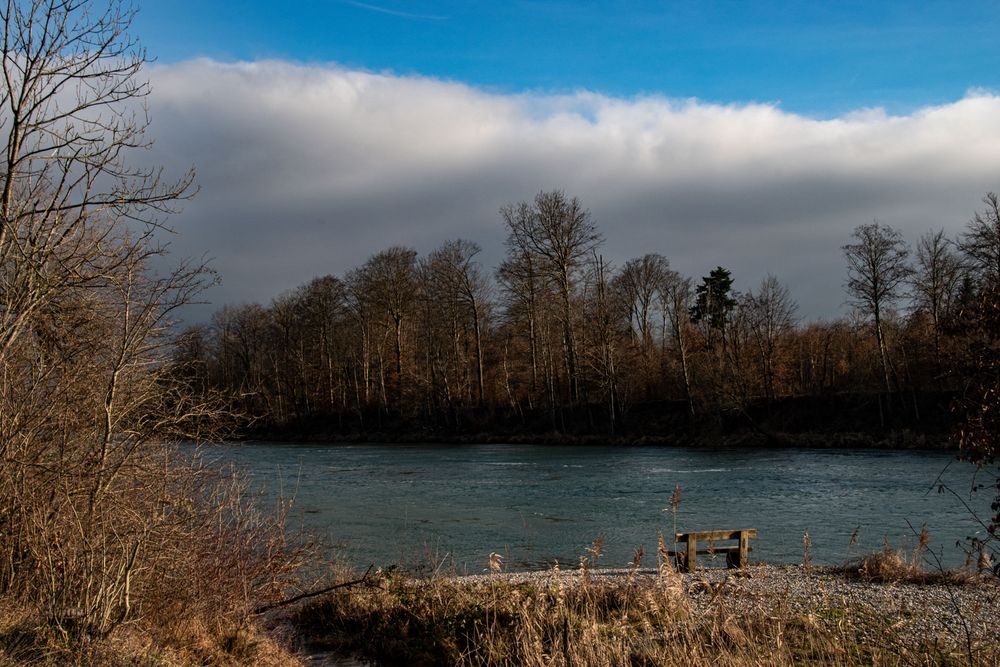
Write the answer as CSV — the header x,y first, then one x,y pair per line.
x,y
557,339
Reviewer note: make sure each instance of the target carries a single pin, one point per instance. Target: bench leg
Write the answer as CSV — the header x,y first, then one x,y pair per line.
x,y
744,549
692,555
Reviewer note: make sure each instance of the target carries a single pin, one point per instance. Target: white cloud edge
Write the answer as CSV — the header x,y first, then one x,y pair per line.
x,y
362,132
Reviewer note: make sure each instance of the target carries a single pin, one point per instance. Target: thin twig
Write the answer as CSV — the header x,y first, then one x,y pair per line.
x,y
311,594
967,630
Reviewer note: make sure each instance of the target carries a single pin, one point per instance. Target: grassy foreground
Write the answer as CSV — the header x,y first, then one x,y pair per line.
x,y
583,617
883,611
27,639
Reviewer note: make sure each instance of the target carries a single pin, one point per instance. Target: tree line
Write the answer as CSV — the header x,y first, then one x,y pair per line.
x,y
443,341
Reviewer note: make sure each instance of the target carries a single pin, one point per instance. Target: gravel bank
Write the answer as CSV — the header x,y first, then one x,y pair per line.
x,y
950,614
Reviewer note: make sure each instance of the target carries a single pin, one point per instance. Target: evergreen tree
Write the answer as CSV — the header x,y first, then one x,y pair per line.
x,y
714,300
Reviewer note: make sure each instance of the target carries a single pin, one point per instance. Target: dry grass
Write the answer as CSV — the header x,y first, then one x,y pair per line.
x,y
26,641
892,567
897,566
187,594
588,620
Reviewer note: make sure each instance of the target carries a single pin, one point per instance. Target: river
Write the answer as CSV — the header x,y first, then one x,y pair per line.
x,y
449,507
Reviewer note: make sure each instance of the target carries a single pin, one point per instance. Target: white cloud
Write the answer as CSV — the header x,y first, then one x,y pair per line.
x,y
307,170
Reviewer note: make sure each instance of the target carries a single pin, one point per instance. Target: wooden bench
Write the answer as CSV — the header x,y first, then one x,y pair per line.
x,y
736,555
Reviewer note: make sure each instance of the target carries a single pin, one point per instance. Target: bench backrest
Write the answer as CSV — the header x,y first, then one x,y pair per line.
x,y
714,535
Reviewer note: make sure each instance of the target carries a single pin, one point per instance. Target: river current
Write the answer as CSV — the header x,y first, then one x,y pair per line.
x,y
449,507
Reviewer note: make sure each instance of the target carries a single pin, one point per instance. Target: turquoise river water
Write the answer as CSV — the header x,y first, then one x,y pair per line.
x,y
449,507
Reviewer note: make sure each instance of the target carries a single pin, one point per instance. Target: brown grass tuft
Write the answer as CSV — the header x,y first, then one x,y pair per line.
x,y
894,566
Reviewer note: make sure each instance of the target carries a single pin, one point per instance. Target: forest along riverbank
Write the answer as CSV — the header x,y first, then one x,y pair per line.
x,y
892,612
855,421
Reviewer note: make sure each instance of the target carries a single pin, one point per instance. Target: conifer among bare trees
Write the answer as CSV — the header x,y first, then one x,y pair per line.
x,y
558,335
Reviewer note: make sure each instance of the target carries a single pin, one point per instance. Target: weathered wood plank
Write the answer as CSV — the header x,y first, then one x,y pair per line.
x,y
707,552
714,535
736,555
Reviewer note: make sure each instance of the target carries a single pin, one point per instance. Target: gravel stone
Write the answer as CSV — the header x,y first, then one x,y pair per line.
x,y
949,614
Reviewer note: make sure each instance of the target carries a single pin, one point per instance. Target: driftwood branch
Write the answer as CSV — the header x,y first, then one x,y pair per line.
x,y
311,594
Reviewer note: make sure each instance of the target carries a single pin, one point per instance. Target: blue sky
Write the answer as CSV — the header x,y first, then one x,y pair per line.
x,y
815,58
754,136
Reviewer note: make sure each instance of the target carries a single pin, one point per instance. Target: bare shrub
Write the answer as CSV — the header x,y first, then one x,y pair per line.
x,y
104,525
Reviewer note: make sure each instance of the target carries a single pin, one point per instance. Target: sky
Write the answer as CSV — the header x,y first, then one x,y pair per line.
x,y
750,135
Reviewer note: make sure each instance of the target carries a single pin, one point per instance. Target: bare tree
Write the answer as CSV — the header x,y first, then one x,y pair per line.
x,y
739,383
877,271
981,241
936,281
521,285
239,334
392,279
605,328
288,360
635,288
73,114
324,312
560,233
977,407
98,515
771,312
362,310
638,282
676,300
459,278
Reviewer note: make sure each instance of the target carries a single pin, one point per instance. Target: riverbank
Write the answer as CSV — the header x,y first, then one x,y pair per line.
x,y
889,440
838,421
774,615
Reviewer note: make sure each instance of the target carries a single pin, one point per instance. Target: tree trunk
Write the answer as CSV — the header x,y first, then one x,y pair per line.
x,y
479,351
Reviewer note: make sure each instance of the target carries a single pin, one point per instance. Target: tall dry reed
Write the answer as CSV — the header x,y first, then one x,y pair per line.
x,y
582,618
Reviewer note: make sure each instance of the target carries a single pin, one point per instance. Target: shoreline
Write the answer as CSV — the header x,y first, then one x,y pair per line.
x,y
820,422
890,441
953,618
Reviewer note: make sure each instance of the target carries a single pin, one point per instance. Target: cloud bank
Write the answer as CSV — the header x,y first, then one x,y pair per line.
x,y
307,170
